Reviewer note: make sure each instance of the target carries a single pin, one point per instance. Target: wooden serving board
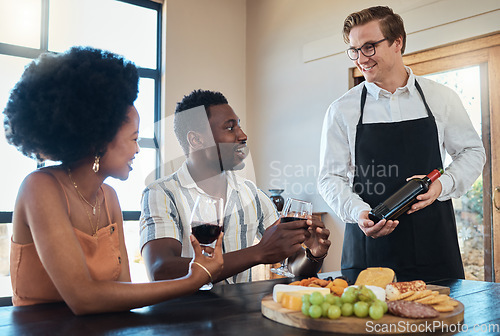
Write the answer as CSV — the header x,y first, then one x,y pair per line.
x,y
388,324
440,289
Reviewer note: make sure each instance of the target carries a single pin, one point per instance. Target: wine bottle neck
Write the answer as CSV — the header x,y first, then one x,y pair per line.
x,y
433,175
426,180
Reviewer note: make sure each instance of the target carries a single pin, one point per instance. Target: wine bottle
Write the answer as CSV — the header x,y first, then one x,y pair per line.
x,y
402,199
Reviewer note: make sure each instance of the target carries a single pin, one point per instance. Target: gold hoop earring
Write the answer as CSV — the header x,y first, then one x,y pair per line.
x,y
95,166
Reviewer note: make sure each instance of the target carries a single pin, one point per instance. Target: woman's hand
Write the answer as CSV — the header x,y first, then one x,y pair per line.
x,y
213,264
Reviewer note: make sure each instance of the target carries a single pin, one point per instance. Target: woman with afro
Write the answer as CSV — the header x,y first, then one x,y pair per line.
x,y
68,242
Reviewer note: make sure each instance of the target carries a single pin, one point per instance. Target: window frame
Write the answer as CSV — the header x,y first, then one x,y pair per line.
x,y
154,74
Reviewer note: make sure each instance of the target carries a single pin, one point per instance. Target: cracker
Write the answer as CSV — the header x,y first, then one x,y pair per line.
x,y
426,298
404,295
413,297
453,302
426,293
443,308
419,295
431,300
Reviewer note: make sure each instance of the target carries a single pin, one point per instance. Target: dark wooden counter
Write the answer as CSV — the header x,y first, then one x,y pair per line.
x,y
225,310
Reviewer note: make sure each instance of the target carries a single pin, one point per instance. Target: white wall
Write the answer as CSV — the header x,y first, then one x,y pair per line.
x,y
296,67
205,49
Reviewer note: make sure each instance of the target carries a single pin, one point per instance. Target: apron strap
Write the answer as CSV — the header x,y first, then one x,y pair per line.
x,y
419,89
363,101
362,107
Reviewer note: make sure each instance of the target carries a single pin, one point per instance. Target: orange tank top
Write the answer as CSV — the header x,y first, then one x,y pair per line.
x,y
32,285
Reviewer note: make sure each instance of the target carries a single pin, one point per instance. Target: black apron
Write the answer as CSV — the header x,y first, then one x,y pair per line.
x,y
424,245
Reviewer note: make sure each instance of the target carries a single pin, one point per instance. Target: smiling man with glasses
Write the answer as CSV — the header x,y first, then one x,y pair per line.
x,y
391,127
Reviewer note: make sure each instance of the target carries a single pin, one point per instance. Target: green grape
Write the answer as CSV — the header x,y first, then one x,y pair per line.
x,y
305,308
315,311
383,304
337,301
351,290
334,312
361,309
348,297
365,294
330,298
316,298
324,309
376,311
306,297
347,309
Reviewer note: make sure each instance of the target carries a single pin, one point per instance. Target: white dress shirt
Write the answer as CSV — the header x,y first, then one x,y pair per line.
x,y
167,204
457,137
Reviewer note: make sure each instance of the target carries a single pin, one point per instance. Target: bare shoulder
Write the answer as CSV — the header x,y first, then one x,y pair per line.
x,y
39,182
39,191
112,203
110,193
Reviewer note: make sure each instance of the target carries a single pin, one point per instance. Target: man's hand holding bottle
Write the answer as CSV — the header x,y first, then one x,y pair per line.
x,y
375,230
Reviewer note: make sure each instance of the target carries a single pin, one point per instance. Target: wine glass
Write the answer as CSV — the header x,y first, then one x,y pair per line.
x,y
206,223
293,210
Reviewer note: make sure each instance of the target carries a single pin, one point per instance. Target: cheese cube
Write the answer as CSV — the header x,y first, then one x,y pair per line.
x,y
278,291
292,300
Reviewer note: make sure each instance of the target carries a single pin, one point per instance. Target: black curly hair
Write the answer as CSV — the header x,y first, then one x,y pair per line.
x,y
69,106
182,126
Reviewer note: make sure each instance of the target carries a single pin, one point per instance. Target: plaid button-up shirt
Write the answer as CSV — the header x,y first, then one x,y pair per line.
x,y
167,204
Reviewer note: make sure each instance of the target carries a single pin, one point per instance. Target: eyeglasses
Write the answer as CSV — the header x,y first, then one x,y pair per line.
x,y
367,49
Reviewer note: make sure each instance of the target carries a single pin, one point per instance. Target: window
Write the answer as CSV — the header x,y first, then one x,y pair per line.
x,y
468,208
131,28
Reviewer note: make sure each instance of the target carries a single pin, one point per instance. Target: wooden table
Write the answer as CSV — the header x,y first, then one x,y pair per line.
x,y
225,310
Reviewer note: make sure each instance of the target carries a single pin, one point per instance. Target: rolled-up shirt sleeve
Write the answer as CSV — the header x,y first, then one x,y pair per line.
x,y
462,142
159,216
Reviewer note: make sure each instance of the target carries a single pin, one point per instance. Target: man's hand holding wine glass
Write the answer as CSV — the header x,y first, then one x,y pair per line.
x,y
282,240
297,222
317,237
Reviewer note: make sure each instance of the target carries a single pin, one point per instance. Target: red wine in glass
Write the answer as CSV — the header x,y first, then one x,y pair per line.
x,y
291,219
205,233
206,223
294,210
